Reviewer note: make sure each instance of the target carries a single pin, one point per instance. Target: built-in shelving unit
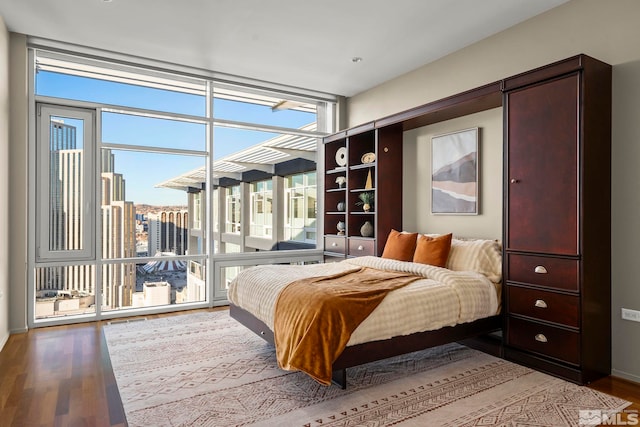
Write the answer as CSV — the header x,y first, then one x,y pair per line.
x,y
557,118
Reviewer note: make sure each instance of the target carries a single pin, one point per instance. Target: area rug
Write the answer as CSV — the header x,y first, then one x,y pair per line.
x,y
205,369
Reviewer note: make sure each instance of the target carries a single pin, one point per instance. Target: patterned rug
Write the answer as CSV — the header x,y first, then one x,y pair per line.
x,y
205,369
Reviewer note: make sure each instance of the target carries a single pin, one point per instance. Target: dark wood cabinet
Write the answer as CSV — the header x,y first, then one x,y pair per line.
x,y
368,160
557,218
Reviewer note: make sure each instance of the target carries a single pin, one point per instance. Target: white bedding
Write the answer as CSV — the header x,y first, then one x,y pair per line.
x,y
443,298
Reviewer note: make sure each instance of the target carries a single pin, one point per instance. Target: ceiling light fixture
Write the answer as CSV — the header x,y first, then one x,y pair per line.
x,y
356,59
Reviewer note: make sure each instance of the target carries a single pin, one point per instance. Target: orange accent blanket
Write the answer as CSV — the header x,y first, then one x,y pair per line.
x,y
315,317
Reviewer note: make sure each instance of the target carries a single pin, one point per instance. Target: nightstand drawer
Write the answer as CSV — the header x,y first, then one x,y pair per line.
x,y
549,306
361,247
544,339
556,273
335,244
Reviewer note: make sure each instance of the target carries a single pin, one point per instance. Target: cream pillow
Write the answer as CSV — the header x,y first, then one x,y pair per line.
x,y
482,256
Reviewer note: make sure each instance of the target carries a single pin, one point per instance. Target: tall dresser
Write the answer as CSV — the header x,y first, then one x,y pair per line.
x,y
557,216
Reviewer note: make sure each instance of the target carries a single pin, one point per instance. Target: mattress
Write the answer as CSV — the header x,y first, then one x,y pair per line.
x,y
442,297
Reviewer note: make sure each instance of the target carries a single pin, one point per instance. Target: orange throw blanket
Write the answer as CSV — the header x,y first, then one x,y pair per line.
x,y
315,317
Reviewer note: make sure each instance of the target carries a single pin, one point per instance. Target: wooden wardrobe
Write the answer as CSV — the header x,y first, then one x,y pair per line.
x,y
557,218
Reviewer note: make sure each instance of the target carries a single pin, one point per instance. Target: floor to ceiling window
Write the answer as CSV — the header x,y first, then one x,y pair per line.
x,y
143,179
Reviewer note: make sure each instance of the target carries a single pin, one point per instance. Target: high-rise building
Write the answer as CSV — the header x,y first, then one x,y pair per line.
x,y
118,241
169,232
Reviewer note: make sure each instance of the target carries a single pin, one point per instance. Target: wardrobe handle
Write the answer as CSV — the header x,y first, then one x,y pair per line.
x,y
540,269
540,303
334,244
360,248
514,181
540,338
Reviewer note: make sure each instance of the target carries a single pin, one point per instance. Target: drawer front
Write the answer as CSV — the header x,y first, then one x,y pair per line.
x,y
549,306
361,247
543,339
555,273
335,244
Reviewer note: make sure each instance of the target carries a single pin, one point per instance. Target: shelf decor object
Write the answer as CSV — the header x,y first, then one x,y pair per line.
x,y
341,181
368,158
366,200
341,156
454,173
367,229
368,185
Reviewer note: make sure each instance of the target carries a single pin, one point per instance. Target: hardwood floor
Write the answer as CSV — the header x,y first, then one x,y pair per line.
x,y
61,376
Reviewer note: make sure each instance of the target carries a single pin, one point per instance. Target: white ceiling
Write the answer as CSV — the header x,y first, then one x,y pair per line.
x,y
306,44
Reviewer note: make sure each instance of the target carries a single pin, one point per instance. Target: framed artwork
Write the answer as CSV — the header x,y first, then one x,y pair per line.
x,y
454,173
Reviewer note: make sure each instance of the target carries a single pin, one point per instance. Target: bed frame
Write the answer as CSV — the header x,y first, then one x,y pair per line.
x,y
377,350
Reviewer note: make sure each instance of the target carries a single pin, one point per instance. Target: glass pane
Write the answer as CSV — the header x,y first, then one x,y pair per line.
x,y
230,141
118,128
147,210
66,182
49,83
64,291
227,274
274,111
229,248
157,282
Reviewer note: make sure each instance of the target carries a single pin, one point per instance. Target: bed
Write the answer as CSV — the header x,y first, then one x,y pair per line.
x,y
440,305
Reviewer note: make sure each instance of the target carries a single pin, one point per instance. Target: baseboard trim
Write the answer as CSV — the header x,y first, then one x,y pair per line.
x,y
4,340
625,375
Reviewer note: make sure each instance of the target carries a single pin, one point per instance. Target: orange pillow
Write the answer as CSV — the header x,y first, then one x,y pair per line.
x,y
433,250
400,246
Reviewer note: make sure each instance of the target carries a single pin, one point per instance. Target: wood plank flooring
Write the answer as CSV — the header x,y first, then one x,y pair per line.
x,y
62,376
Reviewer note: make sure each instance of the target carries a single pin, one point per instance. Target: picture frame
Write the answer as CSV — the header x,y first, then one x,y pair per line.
x,y
454,173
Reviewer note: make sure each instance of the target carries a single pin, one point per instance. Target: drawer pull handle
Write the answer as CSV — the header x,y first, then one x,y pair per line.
x,y
262,332
540,303
541,338
360,248
334,244
540,270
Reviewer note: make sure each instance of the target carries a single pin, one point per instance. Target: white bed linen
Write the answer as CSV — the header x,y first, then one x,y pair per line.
x,y
443,298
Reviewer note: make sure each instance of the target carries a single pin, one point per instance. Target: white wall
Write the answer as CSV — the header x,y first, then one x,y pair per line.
x,y
18,181
606,30
416,169
4,183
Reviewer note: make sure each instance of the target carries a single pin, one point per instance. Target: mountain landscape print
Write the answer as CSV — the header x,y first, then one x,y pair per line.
x,y
454,179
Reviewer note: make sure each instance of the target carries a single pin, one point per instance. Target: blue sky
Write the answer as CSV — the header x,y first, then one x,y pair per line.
x,y
142,171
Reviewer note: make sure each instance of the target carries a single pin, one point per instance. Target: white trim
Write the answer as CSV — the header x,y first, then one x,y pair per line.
x,y
32,238
152,149
121,109
625,375
268,128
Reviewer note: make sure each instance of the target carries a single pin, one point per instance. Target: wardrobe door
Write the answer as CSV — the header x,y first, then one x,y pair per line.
x,y
543,173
